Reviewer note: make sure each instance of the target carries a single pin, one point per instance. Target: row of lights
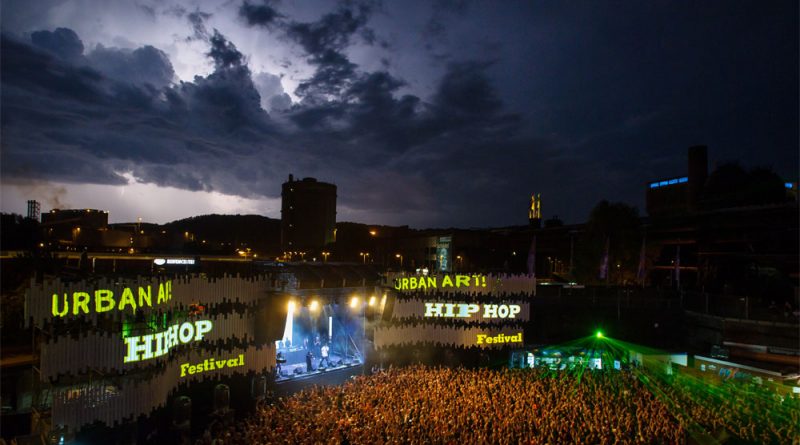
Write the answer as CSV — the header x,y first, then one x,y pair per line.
x,y
355,301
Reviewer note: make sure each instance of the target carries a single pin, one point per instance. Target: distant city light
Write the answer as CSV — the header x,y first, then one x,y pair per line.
x,y
666,182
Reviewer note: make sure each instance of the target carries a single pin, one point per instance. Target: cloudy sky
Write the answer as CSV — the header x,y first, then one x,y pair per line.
x,y
427,113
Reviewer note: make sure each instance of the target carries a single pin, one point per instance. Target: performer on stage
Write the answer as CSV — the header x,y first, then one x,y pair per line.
x,y
324,353
309,359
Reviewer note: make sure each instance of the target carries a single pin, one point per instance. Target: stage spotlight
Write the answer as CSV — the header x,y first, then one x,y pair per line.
x,y
314,305
599,334
372,300
354,302
288,330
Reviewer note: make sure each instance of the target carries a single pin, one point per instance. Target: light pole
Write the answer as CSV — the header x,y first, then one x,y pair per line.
x,y
325,256
364,256
397,255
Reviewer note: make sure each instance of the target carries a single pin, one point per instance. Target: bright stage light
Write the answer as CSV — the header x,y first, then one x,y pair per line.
x,y
354,302
372,300
314,305
599,334
288,330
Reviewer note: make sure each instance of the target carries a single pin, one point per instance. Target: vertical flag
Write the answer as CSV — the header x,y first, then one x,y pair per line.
x,y
678,266
604,263
532,258
641,272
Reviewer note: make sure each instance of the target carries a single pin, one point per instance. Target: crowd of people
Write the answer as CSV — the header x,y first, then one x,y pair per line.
x,y
421,404
719,408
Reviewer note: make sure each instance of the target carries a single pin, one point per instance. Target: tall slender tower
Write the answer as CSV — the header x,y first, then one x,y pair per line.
x,y
535,211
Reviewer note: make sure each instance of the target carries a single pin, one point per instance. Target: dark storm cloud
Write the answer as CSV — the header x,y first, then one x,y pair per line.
x,y
324,42
62,42
197,20
435,27
263,14
393,155
44,73
352,119
224,53
416,160
333,32
91,126
579,102
145,65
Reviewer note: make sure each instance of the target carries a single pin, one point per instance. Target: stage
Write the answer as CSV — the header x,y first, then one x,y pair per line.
x,y
330,377
296,364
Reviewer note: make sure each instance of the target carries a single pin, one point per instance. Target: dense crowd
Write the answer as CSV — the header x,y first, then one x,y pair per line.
x,y
451,406
748,411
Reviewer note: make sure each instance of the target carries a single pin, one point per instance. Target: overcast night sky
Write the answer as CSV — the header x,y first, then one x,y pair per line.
x,y
427,113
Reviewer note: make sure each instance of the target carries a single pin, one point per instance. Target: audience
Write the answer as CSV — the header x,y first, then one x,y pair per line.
x,y
454,406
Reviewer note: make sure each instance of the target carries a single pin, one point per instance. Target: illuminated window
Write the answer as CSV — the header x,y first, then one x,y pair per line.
x,y
653,185
663,183
673,181
683,179
788,185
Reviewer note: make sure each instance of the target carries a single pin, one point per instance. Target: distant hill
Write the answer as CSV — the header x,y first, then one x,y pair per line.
x,y
226,233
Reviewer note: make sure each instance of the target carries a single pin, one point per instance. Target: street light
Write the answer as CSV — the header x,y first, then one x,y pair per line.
x,y
397,255
325,256
460,261
364,256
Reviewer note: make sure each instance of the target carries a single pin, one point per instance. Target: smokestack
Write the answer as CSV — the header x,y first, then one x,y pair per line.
x,y
698,173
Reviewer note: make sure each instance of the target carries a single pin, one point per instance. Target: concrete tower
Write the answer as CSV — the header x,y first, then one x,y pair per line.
x,y
308,215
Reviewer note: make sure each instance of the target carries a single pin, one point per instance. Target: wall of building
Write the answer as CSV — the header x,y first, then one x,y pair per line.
x,y
308,215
